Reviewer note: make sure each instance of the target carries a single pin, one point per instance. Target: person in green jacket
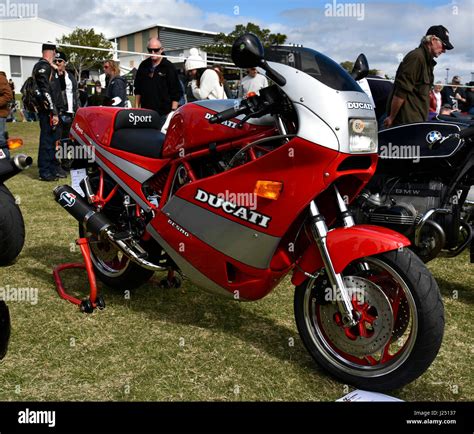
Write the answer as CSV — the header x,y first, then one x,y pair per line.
x,y
410,98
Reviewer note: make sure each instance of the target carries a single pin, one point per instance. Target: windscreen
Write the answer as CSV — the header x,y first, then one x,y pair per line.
x,y
315,64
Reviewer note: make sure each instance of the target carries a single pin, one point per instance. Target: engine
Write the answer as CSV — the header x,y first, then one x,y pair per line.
x,y
399,205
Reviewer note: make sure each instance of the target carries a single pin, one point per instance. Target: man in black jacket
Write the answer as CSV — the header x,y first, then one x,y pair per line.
x,y
157,85
69,96
50,103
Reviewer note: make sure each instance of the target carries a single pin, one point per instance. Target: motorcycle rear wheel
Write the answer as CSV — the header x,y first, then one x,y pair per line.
x,y
12,227
113,268
401,326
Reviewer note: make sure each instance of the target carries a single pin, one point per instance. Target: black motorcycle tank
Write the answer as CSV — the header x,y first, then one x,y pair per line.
x,y
406,149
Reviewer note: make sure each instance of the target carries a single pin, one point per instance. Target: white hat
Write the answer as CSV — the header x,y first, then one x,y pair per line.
x,y
194,61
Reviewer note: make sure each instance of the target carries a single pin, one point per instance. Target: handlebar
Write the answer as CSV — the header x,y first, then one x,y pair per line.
x,y
227,114
269,101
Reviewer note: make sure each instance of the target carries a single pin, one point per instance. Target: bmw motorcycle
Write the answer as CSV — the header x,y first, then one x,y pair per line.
x,y
240,193
421,187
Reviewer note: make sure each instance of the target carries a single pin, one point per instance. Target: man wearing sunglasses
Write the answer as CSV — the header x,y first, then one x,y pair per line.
x,y
157,85
410,98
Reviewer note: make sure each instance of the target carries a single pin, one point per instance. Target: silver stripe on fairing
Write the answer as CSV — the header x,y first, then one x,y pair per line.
x,y
135,171
188,269
115,177
249,246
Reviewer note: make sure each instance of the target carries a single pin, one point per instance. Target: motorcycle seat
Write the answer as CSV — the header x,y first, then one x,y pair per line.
x,y
138,131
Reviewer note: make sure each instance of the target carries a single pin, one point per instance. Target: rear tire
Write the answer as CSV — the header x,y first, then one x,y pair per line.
x,y
110,265
419,320
12,227
4,328
118,272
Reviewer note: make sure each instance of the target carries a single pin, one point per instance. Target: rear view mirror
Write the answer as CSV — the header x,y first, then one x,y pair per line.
x,y
361,68
247,51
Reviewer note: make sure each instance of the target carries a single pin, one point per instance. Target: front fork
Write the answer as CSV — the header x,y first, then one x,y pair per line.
x,y
320,231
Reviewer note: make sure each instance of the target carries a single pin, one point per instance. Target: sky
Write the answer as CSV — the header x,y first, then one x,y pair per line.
x,y
384,30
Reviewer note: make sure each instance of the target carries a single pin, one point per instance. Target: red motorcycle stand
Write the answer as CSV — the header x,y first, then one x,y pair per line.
x,y
86,305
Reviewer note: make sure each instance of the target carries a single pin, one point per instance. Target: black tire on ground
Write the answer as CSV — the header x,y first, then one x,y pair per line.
x,y
425,342
12,227
4,328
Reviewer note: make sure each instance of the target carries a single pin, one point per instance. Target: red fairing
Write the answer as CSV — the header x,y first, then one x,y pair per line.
x,y
301,167
248,282
348,244
190,130
97,123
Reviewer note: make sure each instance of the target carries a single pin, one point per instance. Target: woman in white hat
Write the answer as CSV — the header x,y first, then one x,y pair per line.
x,y
206,82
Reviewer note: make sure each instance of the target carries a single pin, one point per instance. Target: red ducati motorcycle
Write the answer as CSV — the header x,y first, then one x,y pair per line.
x,y
240,193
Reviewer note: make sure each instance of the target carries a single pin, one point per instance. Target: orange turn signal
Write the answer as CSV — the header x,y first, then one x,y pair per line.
x,y
268,189
250,94
15,143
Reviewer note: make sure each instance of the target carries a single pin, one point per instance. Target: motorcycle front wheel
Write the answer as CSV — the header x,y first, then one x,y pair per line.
x,y
400,321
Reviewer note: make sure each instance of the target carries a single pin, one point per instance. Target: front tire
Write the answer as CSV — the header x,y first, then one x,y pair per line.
x,y
401,326
12,228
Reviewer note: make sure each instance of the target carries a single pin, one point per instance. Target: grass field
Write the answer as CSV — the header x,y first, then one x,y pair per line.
x,y
181,344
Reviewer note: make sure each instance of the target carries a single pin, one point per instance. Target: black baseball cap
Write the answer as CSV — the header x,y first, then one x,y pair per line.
x,y
442,33
48,46
61,55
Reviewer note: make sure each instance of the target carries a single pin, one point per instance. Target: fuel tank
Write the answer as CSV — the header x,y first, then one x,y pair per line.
x,y
190,130
406,150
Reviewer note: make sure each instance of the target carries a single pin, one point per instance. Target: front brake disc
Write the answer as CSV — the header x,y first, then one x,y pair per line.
x,y
380,330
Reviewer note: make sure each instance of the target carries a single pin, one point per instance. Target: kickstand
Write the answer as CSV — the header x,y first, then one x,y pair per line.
x,y
94,300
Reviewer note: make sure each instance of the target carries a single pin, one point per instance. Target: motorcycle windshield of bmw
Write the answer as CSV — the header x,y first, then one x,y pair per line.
x,y
240,193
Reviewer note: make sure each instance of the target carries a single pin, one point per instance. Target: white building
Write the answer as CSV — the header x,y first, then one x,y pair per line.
x,y
18,58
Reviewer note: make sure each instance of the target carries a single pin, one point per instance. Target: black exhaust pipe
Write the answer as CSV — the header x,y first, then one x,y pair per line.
x,y
93,221
9,168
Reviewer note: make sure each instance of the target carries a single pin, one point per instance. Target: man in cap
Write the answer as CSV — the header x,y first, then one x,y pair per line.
x,y
454,95
69,96
410,98
50,102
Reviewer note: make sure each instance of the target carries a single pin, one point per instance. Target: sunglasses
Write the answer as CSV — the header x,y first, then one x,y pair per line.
x,y
154,50
106,66
59,61
442,43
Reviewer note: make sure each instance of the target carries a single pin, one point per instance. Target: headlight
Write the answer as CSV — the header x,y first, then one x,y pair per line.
x,y
363,135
